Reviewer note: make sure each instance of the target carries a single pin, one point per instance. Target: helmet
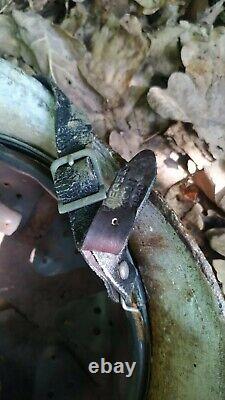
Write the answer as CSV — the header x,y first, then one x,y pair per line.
x,y
57,318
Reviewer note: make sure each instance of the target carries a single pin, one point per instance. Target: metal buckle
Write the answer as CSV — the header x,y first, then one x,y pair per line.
x,y
88,200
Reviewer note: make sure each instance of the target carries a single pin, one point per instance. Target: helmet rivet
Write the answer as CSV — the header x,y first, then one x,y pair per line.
x,y
124,270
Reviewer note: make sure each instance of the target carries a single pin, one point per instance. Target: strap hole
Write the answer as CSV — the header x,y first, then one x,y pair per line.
x,y
115,222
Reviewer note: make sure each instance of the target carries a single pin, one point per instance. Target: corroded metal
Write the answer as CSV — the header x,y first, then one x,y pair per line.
x,y
186,306
50,320
185,301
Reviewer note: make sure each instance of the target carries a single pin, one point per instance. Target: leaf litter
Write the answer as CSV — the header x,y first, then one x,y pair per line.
x,y
149,74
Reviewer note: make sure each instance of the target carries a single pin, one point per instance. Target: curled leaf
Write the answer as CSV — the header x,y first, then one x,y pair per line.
x,y
219,266
77,18
197,96
210,14
216,238
118,50
57,55
10,43
151,6
164,54
188,143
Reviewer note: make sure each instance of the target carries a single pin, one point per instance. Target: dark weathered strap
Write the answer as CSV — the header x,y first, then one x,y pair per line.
x,y
73,182
73,131
108,234
86,172
114,220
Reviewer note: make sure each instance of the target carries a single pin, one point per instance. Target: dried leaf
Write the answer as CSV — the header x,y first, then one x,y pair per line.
x,y
5,6
189,192
187,142
168,172
57,55
216,238
196,9
219,266
134,127
178,202
118,50
77,18
203,181
127,145
211,181
164,55
210,14
203,55
38,5
192,167
193,221
216,173
107,7
198,95
194,218
10,44
151,6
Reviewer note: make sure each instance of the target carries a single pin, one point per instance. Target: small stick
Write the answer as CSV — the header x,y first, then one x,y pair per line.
x,y
6,6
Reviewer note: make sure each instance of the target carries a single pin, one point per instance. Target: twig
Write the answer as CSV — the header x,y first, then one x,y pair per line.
x,y
6,6
31,4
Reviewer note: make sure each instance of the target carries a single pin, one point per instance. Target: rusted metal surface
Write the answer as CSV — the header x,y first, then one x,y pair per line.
x,y
52,327
186,306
